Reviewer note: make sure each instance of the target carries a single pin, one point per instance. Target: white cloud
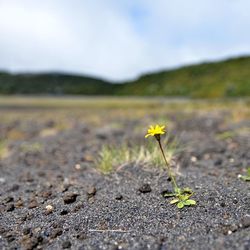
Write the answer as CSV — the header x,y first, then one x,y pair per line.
x,y
119,39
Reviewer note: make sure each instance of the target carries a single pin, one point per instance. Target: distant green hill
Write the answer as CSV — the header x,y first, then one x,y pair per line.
x,y
229,78
53,83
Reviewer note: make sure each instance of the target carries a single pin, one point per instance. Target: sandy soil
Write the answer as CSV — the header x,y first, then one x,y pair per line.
x,y
52,196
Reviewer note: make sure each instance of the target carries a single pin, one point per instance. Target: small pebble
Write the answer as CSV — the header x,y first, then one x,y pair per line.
x,y
193,159
26,231
66,244
81,236
33,204
235,201
245,221
218,162
233,228
30,243
206,156
49,209
69,198
77,207
223,204
14,188
8,199
145,188
19,203
56,232
41,174
10,207
119,197
64,212
91,192
77,166
10,237
46,194
2,180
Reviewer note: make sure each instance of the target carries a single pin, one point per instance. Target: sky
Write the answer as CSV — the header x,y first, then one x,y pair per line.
x,y
119,39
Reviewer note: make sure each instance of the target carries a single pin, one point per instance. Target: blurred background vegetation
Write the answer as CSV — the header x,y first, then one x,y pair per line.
x,y
229,78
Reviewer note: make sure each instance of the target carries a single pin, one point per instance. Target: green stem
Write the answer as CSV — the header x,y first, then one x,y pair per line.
x,y
167,164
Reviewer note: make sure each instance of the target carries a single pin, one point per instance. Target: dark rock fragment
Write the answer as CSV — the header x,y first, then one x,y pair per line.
x,y
10,207
19,203
64,212
27,231
223,204
41,174
28,177
245,221
233,227
33,204
30,243
119,197
46,194
14,188
8,199
77,207
69,198
81,235
58,224
145,188
91,192
66,244
40,238
50,123
218,162
2,229
56,232
235,201
66,187
10,237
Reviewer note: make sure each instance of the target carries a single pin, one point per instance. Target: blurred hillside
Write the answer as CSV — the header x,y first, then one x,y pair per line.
x,y
229,78
53,83
221,79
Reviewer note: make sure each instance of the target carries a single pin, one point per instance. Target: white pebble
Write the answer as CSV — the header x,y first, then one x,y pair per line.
x,y
2,180
193,159
77,166
49,208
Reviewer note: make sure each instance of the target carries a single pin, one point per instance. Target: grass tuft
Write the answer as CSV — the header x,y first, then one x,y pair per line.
x,y
112,157
31,147
4,152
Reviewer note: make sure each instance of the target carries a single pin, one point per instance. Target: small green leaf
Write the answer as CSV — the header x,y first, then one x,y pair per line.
x,y
183,197
174,201
190,202
245,178
168,195
180,204
177,190
187,190
248,171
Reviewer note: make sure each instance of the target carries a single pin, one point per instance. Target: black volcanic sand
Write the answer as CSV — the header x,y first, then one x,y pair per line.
x,y
125,209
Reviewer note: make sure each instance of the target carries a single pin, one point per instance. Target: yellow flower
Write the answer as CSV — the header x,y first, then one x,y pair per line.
x,y
155,130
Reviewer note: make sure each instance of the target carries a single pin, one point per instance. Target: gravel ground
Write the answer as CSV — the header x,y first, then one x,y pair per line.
x,y
51,196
